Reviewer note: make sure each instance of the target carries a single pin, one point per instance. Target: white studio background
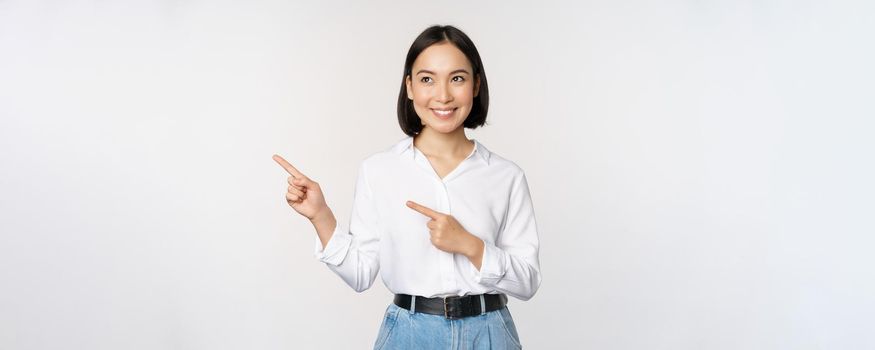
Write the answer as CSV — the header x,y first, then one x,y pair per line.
x,y
701,170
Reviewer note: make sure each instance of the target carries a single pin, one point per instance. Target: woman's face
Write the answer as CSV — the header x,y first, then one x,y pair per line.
x,y
442,87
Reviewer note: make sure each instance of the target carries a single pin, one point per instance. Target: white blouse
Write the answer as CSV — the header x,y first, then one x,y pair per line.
x,y
487,194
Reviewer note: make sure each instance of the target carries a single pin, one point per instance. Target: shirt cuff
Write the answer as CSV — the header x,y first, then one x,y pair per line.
x,y
336,249
492,267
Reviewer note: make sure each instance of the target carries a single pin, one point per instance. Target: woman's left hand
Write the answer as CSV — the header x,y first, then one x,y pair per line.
x,y
448,235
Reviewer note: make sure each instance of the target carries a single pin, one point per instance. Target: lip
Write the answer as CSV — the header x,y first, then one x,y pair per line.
x,y
441,113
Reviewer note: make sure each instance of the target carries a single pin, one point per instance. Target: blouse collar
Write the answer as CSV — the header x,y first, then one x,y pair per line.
x,y
406,145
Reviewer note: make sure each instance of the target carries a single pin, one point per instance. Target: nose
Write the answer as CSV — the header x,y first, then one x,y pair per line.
x,y
443,93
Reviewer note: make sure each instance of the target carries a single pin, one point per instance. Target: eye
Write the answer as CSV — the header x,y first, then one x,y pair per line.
x,y
458,78
425,80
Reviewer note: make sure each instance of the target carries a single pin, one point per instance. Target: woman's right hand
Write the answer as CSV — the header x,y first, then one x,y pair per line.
x,y
304,195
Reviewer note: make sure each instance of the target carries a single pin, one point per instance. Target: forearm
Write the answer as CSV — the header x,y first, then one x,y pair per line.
x,y
324,223
475,253
516,274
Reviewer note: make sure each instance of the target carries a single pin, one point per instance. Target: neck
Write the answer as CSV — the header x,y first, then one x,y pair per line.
x,y
433,143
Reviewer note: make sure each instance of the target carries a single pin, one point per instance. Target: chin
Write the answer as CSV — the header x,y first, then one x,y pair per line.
x,y
445,128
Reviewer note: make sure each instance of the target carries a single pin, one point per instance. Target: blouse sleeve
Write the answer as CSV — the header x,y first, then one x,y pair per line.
x,y
511,264
353,253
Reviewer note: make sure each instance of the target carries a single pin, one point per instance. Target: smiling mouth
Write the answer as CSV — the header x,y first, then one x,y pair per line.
x,y
443,113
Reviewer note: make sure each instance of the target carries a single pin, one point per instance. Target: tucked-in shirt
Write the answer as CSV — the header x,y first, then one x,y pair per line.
x,y
487,194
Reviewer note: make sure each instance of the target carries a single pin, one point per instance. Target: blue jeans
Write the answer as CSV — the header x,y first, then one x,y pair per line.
x,y
404,330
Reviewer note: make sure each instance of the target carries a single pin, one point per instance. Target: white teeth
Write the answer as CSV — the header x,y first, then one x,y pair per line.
x,y
443,112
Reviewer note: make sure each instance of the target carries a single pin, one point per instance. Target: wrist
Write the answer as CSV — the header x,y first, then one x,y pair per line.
x,y
475,255
324,223
322,217
476,247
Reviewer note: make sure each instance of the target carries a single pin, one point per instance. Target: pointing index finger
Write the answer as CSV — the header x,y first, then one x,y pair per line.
x,y
288,166
424,210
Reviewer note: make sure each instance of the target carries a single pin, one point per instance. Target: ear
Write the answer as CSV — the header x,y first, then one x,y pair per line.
x,y
477,86
409,84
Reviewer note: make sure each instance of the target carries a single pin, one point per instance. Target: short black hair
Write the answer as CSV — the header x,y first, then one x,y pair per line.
x,y
407,117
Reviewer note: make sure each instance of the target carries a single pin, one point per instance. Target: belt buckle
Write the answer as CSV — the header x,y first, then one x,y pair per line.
x,y
446,311
447,301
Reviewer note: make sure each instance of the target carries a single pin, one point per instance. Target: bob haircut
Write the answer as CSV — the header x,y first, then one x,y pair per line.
x,y
407,117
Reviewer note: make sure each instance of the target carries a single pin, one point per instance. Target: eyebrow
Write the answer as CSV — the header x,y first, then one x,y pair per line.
x,y
460,70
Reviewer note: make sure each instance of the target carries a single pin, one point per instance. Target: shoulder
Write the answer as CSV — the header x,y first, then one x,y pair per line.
x,y
500,164
510,173
387,156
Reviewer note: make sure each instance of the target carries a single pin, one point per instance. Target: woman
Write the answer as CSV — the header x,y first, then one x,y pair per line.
x,y
449,224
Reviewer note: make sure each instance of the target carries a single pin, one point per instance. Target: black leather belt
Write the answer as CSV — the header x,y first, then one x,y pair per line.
x,y
454,307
